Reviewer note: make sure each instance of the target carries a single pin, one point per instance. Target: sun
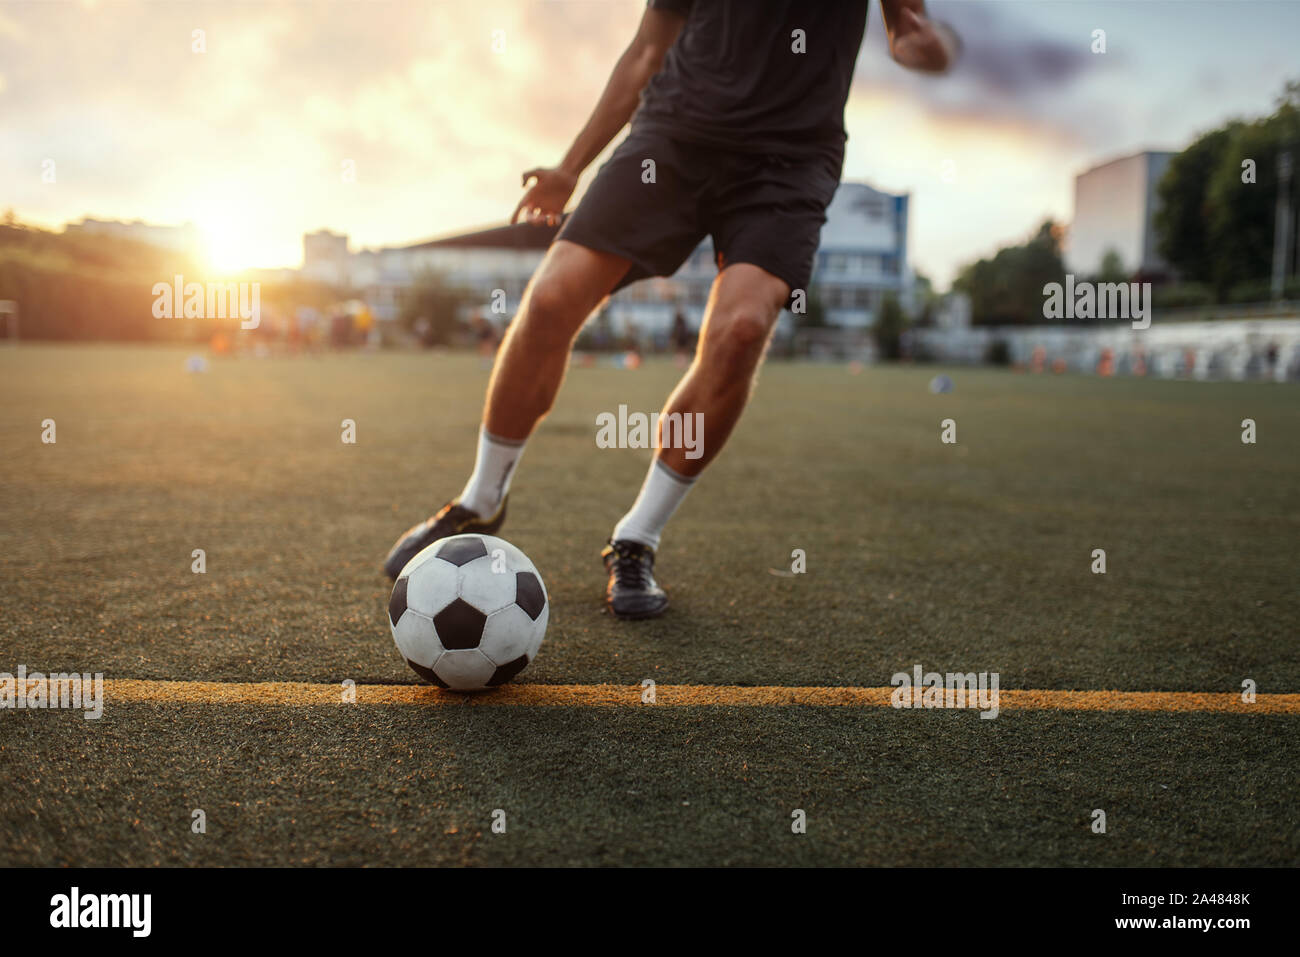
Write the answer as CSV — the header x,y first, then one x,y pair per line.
x,y
226,241
238,233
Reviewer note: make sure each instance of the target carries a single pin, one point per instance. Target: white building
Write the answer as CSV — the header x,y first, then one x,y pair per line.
x,y
862,258
1114,208
484,262
184,238
863,254
1219,349
325,257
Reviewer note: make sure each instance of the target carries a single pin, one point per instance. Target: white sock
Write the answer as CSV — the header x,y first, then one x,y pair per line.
x,y
661,493
493,467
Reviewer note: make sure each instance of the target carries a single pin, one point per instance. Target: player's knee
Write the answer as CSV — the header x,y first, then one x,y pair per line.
x,y
548,316
742,332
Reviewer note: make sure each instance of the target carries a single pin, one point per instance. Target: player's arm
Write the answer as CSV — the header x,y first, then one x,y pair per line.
x,y
545,198
916,42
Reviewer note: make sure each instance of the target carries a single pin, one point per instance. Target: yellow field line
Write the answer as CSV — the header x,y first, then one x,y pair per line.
x,y
302,693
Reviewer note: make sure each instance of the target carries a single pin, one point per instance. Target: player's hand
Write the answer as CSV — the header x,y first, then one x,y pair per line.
x,y
544,200
921,44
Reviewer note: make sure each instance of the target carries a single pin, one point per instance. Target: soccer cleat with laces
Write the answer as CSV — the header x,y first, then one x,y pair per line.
x,y
452,519
632,591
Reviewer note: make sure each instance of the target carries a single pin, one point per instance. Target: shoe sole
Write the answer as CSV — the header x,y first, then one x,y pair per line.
x,y
637,616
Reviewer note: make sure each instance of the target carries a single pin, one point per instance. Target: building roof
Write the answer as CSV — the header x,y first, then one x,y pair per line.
x,y
861,217
516,236
1142,154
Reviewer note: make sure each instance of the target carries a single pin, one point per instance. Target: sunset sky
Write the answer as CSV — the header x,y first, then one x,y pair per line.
x,y
249,139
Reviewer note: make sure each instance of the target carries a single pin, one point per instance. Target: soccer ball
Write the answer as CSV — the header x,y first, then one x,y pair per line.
x,y
468,612
941,384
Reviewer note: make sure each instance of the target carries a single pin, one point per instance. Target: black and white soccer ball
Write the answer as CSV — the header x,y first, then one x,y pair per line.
x,y
469,612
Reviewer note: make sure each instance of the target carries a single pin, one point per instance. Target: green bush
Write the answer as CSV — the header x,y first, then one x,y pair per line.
x,y
998,353
1182,295
888,329
1255,290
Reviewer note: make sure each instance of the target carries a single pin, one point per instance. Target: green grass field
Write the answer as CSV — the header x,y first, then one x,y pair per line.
x,y
966,557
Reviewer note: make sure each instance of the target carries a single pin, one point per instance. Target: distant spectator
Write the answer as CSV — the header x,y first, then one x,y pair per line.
x,y
485,334
681,340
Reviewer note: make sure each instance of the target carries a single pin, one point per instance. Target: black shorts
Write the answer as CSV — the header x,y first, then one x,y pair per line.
x,y
760,209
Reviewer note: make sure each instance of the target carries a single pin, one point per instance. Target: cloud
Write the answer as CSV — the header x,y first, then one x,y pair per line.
x,y
11,29
438,126
1004,56
1015,72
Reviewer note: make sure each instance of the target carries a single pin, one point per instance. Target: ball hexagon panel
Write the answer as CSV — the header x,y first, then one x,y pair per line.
x,y
508,634
465,670
486,588
416,639
515,559
431,585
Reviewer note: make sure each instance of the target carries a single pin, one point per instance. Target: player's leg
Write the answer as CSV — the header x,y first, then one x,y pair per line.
x,y
765,214
568,285
742,311
529,368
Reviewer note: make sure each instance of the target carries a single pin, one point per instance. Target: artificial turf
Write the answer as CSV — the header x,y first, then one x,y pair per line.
x,y
968,557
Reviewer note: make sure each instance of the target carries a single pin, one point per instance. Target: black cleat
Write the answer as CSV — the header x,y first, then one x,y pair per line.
x,y
452,519
632,591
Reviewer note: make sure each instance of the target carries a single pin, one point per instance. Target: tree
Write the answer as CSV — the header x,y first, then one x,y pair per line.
x,y
1112,268
891,323
926,300
814,316
1008,289
1242,215
1216,224
438,303
1182,222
